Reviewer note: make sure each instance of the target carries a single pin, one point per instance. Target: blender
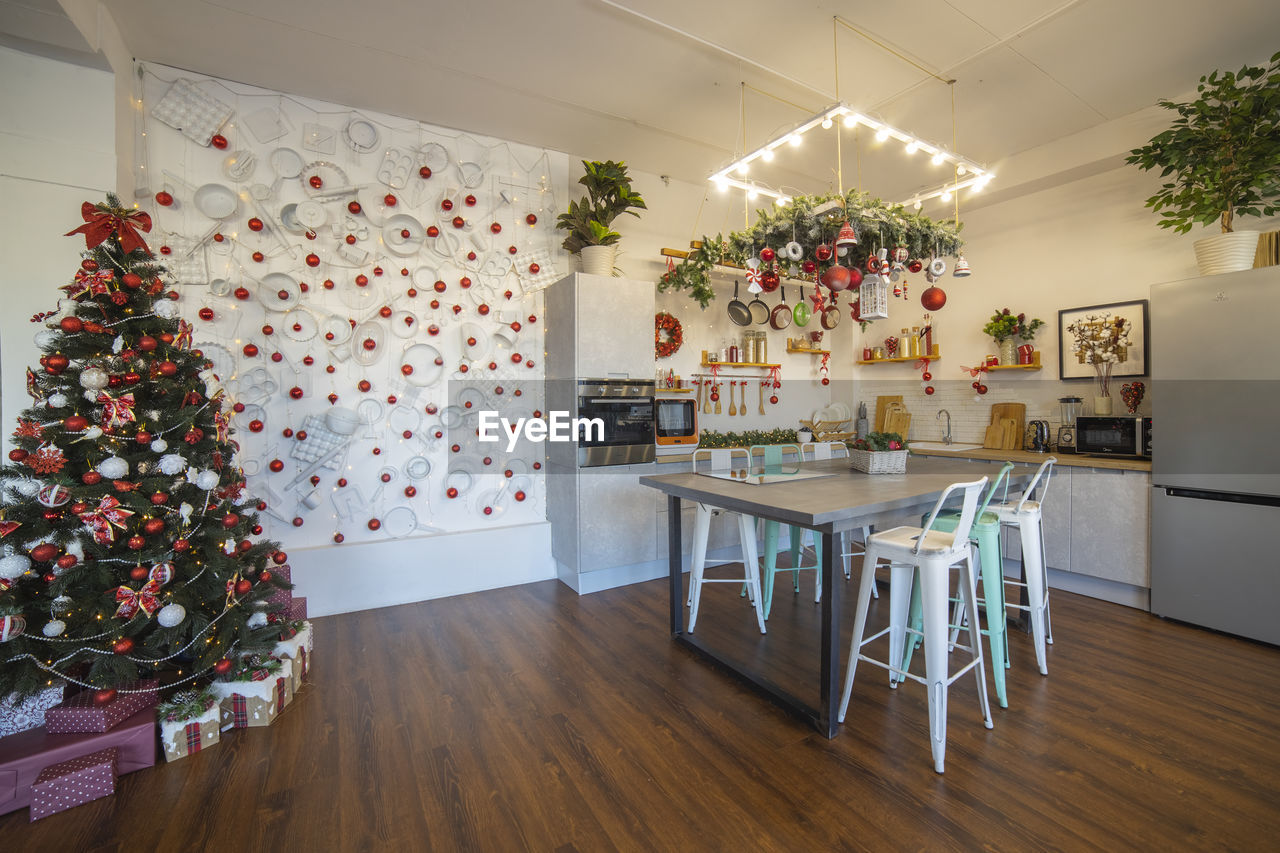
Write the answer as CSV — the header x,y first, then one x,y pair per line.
x,y
1069,409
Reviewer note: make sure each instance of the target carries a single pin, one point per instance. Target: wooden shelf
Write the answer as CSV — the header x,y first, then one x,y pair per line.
x,y
734,269
900,359
792,349
1034,365
737,364
675,390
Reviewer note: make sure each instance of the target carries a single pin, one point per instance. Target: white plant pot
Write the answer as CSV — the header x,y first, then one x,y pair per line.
x,y
598,260
1230,252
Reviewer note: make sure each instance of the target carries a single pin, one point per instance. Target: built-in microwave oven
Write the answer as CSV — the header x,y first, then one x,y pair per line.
x,y
675,421
1126,437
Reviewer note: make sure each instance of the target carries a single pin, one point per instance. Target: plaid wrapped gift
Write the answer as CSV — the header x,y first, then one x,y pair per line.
x,y
298,608
181,738
18,716
280,599
297,649
255,702
79,713
73,783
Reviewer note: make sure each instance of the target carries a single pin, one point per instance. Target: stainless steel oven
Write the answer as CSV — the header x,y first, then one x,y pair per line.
x,y
624,408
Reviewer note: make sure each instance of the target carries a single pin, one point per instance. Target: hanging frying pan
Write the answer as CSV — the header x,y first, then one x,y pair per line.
x,y
800,314
780,317
831,314
739,313
759,311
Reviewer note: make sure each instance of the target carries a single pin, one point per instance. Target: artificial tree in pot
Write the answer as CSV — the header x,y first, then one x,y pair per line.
x,y
1221,157
609,195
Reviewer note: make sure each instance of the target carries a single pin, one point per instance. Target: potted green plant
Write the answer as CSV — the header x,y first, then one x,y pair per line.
x,y
1221,159
879,453
1008,328
587,221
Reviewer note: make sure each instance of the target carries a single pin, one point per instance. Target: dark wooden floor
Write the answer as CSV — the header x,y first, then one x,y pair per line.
x,y
531,718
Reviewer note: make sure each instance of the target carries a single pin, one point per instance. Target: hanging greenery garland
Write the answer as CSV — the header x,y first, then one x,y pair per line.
x,y
668,343
876,223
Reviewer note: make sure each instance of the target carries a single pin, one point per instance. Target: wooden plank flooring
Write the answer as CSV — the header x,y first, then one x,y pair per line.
x,y
532,718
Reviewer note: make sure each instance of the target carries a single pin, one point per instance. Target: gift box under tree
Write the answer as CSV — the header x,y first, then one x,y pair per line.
x,y
19,715
84,713
295,644
255,692
298,607
73,783
281,598
189,722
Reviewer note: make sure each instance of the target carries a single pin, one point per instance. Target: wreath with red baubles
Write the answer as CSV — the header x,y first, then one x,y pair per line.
x,y
667,334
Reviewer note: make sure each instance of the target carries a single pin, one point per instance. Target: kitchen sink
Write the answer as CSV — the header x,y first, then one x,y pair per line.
x,y
938,446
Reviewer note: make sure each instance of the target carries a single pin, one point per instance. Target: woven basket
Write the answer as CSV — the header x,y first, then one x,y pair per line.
x,y
879,462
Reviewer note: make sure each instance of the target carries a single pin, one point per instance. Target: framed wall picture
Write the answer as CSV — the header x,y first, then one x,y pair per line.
x,y
1133,357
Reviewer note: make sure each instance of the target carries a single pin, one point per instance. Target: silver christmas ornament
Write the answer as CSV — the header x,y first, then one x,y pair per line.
x,y
54,628
171,615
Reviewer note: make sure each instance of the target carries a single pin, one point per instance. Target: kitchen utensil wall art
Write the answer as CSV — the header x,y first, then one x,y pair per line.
x,y
343,258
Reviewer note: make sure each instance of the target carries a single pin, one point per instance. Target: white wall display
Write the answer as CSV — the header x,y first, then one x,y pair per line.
x,y
364,285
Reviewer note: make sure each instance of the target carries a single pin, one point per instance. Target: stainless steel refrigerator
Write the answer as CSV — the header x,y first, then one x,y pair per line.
x,y
1215,474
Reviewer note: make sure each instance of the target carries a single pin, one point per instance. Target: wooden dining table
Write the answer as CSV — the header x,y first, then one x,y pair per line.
x,y
830,505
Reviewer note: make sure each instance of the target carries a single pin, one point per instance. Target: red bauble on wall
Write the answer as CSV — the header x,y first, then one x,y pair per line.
x,y
933,298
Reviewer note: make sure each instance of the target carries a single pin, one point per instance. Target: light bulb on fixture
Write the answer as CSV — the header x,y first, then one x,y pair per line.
x,y
961,170
782,201
850,121
917,204
794,139
826,123
946,195
912,146
937,159
753,193
721,183
767,155
882,134
742,168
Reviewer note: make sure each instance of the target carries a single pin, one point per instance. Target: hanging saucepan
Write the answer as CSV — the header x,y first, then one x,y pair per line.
x,y
831,314
759,311
800,314
739,313
780,317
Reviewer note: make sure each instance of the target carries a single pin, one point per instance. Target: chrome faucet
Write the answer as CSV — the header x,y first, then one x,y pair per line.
x,y
946,436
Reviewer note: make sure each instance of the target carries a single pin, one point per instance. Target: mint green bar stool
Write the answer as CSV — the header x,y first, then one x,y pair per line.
x,y
774,456
986,533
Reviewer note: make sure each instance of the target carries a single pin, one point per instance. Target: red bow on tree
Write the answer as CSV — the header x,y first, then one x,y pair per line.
x,y
89,283
102,221
130,602
118,411
100,520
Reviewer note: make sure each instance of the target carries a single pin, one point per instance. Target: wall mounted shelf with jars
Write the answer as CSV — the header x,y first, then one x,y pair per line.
x,y
1034,365
899,359
807,351
738,364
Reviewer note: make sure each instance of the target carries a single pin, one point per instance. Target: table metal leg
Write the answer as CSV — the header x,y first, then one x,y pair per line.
x,y
675,565
830,638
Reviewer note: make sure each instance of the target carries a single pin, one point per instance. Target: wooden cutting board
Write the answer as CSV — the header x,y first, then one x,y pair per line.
x,y
899,421
882,408
1015,411
1010,434
993,438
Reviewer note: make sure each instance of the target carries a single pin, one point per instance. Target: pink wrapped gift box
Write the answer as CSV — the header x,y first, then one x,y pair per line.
x,y
72,783
24,755
18,716
78,713
298,608
280,599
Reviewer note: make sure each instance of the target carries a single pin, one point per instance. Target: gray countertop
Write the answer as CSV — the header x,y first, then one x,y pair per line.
x,y
840,502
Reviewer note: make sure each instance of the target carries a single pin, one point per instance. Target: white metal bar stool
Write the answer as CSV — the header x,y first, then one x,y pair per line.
x,y
1026,515
722,460
934,554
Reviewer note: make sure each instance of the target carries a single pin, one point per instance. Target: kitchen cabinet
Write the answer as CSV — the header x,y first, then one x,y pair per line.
x,y
1110,516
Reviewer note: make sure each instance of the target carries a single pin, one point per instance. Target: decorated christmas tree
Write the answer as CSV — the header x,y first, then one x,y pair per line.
x,y
124,526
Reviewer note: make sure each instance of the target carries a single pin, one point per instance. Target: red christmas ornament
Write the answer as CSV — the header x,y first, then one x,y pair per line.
x,y
495,228
520,496
767,254
152,526
268,330
280,558
338,537
122,646
433,231
264,576
315,181
823,253
160,498
353,207
424,172
164,199
105,696
205,314
44,552
255,425
389,200
458,222
71,325
223,666
56,363
451,492
218,141
516,358
374,524
362,280
91,478
138,573
276,466
364,385
66,561
928,389
277,357
243,587
933,298
773,399
146,343
295,392
250,350
297,521
255,224
313,260
74,423
230,520
465,281
114,381
137,543
333,398
534,268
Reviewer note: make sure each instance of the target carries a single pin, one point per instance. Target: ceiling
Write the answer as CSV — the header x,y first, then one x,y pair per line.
x,y
658,83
